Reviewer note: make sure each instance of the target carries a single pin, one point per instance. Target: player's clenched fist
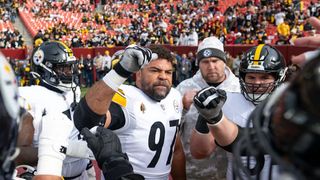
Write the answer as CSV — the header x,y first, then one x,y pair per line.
x,y
133,58
209,102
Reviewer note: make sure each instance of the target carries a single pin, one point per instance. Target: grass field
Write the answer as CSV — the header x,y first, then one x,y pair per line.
x,y
83,91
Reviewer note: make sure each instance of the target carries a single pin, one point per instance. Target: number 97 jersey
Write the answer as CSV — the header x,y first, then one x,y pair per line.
x,y
149,134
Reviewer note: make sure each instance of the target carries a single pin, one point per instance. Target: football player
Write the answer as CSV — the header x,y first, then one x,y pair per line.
x,y
285,126
262,69
145,117
53,64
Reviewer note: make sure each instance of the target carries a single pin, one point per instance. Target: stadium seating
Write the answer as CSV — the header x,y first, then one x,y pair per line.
x,y
73,19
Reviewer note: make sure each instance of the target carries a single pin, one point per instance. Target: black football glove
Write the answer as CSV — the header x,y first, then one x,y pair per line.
x,y
209,102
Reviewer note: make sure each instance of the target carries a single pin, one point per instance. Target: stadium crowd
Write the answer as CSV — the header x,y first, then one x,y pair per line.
x,y
124,22
121,23
9,36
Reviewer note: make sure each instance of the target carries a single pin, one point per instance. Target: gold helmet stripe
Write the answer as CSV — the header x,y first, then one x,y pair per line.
x,y
69,51
257,54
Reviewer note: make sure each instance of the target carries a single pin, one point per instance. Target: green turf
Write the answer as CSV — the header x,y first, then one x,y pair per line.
x,y
83,91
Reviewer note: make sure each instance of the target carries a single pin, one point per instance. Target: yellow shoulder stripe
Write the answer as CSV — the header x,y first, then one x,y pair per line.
x,y
119,98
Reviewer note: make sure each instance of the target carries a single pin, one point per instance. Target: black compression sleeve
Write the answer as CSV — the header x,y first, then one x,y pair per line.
x,y
117,116
84,117
229,147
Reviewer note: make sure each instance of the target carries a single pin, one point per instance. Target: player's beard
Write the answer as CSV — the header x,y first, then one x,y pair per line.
x,y
156,91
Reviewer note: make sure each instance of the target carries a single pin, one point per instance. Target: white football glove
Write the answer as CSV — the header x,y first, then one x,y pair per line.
x,y
133,58
53,143
209,102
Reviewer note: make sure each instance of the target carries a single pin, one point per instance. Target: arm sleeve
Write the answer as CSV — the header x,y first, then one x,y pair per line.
x,y
229,147
241,134
84,117
117,116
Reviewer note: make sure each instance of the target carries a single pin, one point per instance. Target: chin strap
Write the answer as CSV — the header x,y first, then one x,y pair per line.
x,y
74,88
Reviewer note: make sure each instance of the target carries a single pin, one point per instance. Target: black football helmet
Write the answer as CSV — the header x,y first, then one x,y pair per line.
x,y
9,118
53,64
287,125
261,59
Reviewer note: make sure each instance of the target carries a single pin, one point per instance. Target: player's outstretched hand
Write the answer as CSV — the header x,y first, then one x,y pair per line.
x,y
209,102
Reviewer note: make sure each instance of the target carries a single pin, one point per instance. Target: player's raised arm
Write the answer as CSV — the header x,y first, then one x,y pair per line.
x,y
209,102
93,107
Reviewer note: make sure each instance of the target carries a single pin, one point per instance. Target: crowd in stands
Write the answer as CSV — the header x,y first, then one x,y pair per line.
x,y
185,22
9,36
182,22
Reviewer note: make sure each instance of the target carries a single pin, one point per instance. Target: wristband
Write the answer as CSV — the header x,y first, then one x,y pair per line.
x,y
201,125
216,120
121,71
113,80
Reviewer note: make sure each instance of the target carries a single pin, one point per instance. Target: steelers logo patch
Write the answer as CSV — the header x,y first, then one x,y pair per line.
x,y
207,53
38,57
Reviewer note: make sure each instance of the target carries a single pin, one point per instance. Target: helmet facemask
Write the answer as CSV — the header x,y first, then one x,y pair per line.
x,y
259,92
256,92
262,59
61,76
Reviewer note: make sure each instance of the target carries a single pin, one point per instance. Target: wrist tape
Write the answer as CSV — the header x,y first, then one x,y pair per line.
x,y
215,121
113,80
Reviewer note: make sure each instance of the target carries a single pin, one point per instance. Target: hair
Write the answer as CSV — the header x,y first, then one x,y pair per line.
x,y
162,52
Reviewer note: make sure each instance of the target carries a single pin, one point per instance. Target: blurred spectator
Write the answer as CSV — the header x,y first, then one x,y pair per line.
x,y
99,64
184,68
107,61
194,65
88,70
284,29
